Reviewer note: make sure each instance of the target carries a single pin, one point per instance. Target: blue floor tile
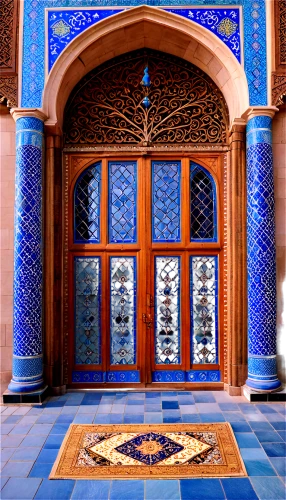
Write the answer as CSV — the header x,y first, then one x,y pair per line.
x,y
33,441
275,449
54,442
133,419
55,404
17,469
55,490
265,408
260,467
247,440
238,489
98,490
65,419
47,419
6,428
133,410
134,402
279,465
6,453
13,419
275,417
19,488
47,456
282,434
232,416
157,489
40,429
269,488
228,407
172,420
260,426
59,428
127,490
186,400
25,454
204,397
41,470
102,418
268,436
116,418
153,418
4,481
279,426
241,427
152,395
152,408
83,418
190,418
253,454
247,408
170,405
201,489
212,417
136,395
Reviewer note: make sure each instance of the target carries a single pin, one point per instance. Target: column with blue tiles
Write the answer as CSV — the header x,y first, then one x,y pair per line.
x,y
27,374
261,255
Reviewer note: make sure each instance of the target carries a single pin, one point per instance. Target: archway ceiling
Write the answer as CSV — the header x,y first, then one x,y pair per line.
x,y
151,28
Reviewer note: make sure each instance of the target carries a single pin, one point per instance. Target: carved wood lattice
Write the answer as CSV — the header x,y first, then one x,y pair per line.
x,y
106,105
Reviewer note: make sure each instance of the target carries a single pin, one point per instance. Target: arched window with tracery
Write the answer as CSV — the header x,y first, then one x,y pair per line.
x,y
203,205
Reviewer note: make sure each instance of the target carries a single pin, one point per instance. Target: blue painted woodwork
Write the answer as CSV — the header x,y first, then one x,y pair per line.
x,y
28,272
261,258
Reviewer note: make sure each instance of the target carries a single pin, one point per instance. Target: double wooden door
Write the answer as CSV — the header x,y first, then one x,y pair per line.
x,y
145,270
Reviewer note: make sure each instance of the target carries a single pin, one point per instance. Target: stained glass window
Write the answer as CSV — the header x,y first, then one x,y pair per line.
x,y
204,298
123,310
167,310
166,201
87,206
203,205
122,202
87,310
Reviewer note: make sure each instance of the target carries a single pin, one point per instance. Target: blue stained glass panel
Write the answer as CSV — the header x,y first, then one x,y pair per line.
x,y
166,201
87,206
122,202
204,309
167,310
123,310
203,205
87,310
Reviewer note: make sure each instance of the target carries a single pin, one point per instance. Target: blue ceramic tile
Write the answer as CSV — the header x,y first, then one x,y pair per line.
x,y
13,419
19,488
253,454
170,405
65,419
228,407
153,418
55,404
256,417
247,408
12,441
59,428
133,419
116,418
105,408
136,395
25,454
240,427
70,410
172,420
33,441
260,426
171,413
91,489
153,395
268,436
212,417
156,489
4,481
282,434
201,489
20,429
47,419
268,488
236,489
84,418
279,465
47,456
190,418
275,449
204,397
6,428
186,400
247,440
260,467
265,408
127,490
54,442
279,426
152,408
132,402
232,416
40,429
41,470
17,469
55,490
188,409
275,417
6,453
137,409
102,418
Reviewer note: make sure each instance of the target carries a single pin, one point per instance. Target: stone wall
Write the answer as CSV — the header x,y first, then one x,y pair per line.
x,y
7,196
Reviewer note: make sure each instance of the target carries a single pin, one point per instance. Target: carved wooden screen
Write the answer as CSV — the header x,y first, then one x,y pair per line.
x,y
185,105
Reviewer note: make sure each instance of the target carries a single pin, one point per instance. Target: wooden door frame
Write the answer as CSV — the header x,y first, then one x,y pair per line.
x,y
233,348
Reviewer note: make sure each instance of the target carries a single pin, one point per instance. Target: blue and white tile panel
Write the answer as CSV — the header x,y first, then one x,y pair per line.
x,y
186,376
130,376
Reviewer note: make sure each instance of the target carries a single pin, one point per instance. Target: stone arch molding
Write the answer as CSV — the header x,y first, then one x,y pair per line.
x,y
153,28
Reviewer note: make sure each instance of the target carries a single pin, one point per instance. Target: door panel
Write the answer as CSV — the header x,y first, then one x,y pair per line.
x,y
144,271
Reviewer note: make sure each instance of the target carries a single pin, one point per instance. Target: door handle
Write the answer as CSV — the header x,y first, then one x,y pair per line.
x,y
147,319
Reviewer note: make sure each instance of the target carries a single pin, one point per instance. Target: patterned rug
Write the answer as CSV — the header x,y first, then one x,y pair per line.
x,y
148,451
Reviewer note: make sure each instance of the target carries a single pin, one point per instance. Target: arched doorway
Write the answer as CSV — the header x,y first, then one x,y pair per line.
x,y
144,224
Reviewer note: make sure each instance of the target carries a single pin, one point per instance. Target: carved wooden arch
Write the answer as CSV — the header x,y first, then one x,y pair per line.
x,y
106,106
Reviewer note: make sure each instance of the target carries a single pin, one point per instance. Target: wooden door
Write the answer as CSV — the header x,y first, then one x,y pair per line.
x,y
145,247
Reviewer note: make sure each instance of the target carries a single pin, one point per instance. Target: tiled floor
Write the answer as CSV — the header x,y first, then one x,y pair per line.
x,y
31,438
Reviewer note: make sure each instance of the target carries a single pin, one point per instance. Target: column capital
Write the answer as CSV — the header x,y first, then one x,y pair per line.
x,y
254,111
28,113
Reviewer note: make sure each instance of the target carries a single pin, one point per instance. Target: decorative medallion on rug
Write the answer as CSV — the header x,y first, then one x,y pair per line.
x,y
148,451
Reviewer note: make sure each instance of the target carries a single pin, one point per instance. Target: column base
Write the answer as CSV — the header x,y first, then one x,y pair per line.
x,y
32,397
255,397
264,385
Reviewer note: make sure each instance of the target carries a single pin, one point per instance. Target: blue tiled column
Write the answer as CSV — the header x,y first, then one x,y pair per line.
x,y
261,258
27,373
